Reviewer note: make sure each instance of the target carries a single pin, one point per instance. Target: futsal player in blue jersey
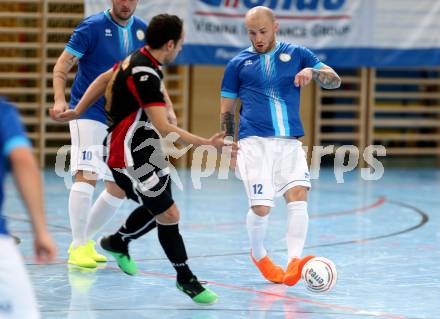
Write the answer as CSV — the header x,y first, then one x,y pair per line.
x,y
17,298
96,44
267,78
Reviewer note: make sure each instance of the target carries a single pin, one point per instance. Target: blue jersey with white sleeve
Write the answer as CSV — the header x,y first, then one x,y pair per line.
x,y
99,42
12,136
264,82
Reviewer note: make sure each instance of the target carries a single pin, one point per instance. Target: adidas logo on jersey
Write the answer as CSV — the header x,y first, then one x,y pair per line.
x,y
144,78
248,62
108,32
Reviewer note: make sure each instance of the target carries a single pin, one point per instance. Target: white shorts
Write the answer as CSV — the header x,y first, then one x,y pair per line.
x,y
270,166
87,148
17,299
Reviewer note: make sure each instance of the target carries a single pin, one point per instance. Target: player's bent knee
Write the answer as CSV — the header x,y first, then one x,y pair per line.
x,y
261,210
86,177
170,216
297,193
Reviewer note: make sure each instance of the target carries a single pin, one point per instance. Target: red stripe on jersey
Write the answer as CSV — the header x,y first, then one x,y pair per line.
x,y
154,104
148,55
132,87
116,158
115,66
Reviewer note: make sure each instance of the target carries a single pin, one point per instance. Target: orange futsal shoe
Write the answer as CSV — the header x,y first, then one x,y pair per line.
x,y
269,270
294,269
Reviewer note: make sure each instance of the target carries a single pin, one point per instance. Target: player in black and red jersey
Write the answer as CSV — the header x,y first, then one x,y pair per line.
x,y
136,108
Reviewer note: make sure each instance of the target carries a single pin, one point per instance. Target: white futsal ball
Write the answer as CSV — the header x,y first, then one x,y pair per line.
x,y
319,274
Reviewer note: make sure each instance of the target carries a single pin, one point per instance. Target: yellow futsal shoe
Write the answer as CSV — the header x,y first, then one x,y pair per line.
x,y
93,253
79,256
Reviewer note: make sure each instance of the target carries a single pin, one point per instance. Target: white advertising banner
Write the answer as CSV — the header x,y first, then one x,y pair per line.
x,y
341,32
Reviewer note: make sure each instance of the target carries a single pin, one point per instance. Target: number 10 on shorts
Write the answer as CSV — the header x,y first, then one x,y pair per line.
x,y
258,189
87,156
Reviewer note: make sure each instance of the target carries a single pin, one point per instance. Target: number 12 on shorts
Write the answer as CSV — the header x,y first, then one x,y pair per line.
x,y
258,189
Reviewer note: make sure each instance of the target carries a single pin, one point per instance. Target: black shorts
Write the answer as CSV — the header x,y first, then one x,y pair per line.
x,y
157,198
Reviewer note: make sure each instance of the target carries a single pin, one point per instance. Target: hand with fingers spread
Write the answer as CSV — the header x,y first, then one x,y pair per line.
x,y
303,77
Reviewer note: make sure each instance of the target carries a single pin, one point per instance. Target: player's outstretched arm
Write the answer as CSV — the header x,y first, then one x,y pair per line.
x,y
92,94
28,180
326,77
60,72
158,117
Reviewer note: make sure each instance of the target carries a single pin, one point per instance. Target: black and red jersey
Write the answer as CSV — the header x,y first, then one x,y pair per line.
x,y
136,84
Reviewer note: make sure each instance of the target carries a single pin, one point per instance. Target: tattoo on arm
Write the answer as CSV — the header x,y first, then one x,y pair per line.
x,y
227,123
328,79
72,61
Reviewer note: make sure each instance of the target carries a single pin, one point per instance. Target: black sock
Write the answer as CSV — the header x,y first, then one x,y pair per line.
x,y
138,223
174,248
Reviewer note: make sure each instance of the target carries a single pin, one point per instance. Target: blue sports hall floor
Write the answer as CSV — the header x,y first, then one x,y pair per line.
x,y
383,236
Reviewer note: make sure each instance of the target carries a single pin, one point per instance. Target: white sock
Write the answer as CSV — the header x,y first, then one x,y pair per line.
x,y
256,227
297,224
80,200
102,211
